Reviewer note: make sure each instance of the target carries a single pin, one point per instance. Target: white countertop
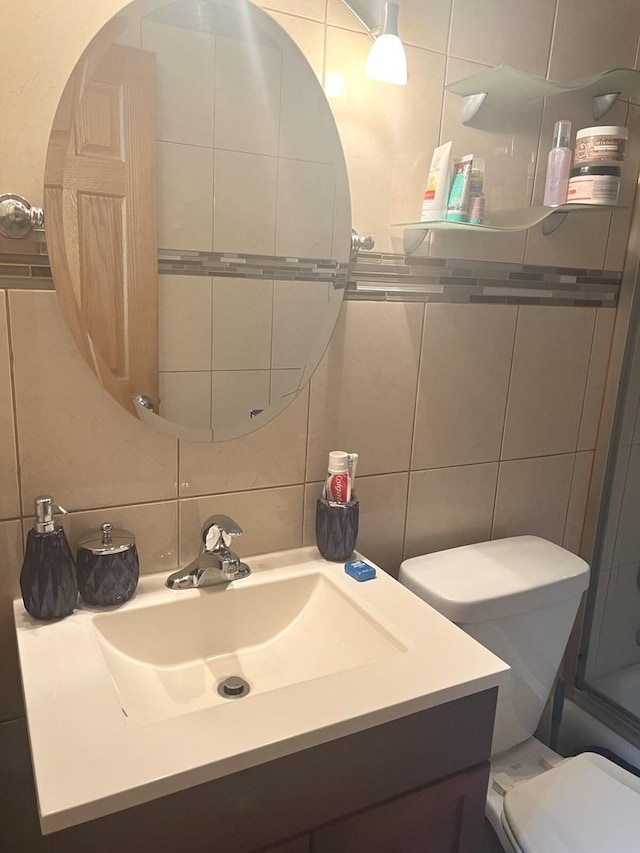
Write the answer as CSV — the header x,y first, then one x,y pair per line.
x,y
89,760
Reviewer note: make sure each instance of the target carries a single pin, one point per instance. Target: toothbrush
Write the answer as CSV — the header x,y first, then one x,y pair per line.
x,y
352,464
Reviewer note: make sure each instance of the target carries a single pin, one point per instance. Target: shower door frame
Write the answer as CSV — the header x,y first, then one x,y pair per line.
x,y
597,516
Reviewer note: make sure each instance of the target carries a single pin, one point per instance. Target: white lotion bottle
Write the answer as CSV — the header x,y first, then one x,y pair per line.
x,y
558,166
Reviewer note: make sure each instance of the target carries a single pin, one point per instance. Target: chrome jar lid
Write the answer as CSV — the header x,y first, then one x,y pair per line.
x,y
107,540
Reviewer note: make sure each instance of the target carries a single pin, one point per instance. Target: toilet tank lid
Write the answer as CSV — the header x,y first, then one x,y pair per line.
x,y
490,580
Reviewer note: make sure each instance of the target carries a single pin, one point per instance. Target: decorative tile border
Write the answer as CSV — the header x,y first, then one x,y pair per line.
x,y
375,276
24,264
239,265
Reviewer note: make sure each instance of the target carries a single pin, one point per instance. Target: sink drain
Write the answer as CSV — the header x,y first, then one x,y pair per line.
x,y
233,687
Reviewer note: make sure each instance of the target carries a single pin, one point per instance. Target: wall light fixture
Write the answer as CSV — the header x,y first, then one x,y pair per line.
x,y
387,60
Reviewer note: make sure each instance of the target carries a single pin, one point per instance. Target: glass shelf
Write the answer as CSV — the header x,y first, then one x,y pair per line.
x,y
508,88
501,222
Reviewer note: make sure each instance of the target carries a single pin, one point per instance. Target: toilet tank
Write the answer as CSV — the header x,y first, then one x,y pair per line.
x,y
519,598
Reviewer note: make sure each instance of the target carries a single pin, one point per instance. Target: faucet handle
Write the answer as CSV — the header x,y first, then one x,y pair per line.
x,y
217,528
226,524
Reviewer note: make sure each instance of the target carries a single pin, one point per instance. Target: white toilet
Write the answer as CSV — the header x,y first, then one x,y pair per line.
x,y
519,598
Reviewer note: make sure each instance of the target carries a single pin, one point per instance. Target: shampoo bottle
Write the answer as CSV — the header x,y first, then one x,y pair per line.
x,y
558,166
47,579
434,204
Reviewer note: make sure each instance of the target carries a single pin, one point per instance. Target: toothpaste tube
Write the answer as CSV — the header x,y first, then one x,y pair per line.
x,y
337,487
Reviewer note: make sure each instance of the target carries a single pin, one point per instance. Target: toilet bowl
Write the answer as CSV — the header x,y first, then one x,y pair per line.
x,y
519,598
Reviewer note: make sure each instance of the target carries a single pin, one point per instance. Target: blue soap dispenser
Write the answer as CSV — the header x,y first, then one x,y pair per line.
x,y
48,578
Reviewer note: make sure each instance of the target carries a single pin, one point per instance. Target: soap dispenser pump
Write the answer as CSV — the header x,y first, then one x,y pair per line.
x,y
47,579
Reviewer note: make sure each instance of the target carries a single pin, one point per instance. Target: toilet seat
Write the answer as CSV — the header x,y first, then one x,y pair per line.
x,y
586,804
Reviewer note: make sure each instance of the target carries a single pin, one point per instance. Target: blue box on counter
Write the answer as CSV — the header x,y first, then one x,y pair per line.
x,y
359,570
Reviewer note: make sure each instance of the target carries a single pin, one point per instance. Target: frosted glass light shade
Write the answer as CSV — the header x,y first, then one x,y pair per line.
x,y
387,60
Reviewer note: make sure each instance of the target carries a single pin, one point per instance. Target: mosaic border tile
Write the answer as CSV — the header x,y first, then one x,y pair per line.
x,y
379,276
240,265
24,264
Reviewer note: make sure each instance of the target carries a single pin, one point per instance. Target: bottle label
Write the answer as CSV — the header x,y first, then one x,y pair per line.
x,y
596,189
430,192
338,489
597,149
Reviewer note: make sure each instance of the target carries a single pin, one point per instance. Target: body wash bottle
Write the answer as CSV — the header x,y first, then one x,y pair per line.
x,y
48,579
434,204
558,166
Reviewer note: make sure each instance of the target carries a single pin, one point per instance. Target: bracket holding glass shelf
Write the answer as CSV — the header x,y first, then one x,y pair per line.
x,y
500,222
508,88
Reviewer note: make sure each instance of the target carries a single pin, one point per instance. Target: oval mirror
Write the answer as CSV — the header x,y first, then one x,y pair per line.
x,y
198,218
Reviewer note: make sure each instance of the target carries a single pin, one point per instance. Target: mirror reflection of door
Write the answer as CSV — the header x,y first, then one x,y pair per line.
x,y
109,211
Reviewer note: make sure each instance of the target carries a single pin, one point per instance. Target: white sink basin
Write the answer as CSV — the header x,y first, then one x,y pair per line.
x,y
123,707
169,658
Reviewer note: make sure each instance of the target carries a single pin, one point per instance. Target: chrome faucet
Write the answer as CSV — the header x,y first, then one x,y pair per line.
x,y
215,563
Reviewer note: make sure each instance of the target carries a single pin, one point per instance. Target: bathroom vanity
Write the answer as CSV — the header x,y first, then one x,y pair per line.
x,y
367,727
413,785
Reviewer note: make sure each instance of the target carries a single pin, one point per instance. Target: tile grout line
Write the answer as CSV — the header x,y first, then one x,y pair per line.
x,y
504,423
423,331
539,156
177,500
212,291
553,37
170,500
306,454
566,514
325,30
14,406
587,377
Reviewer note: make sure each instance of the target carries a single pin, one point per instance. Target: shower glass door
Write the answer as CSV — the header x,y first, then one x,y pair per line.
x,y
609,666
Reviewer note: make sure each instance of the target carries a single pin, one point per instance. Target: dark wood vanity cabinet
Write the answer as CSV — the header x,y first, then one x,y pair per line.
x,y
443,818
413,785
446,817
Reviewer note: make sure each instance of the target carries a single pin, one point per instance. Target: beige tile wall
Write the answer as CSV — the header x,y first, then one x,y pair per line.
x,y
425,394
471,421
